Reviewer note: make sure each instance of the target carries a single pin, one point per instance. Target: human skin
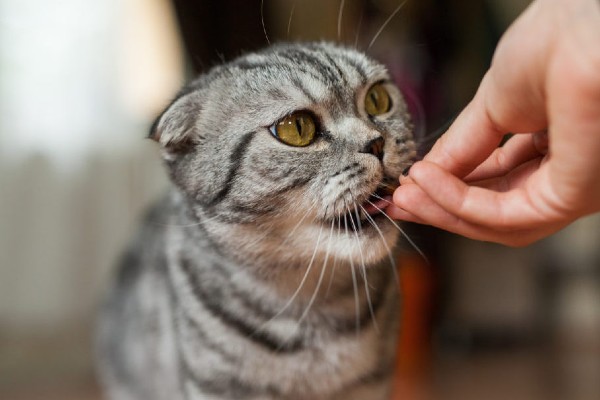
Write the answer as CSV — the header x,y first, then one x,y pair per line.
x,y
544,86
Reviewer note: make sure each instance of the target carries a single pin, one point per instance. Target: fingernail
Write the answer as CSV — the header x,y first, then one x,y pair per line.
x,y
406,171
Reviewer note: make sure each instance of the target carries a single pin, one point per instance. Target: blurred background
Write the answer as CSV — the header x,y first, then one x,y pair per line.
x,y
81,81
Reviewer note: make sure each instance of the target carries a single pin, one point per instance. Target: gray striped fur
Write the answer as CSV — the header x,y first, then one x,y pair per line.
x,y
247,281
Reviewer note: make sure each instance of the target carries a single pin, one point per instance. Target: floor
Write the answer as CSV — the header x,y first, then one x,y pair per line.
x,y
527,373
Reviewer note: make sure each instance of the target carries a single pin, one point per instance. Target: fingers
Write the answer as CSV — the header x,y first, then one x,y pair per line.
x,y
517,178
480,206
424,210
518,150
519,193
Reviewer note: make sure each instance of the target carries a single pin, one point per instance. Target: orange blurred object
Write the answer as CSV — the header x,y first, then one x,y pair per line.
x,y
414,349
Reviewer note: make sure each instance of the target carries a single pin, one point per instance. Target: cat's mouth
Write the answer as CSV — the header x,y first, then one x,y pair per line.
x,y
372,208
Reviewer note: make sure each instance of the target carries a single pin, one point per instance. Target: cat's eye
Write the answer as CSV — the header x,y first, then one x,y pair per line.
x,y
377,101
297,129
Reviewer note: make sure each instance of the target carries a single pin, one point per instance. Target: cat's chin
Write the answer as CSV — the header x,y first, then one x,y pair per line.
x,y
366,245
371,214
369,245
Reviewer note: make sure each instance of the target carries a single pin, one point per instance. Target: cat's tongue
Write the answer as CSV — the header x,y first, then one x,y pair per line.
x,y
375,206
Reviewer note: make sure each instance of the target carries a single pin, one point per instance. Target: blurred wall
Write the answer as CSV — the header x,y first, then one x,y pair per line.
x,y
79,83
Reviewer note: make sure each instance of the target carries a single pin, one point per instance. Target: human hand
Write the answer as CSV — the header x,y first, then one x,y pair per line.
x,y
545,80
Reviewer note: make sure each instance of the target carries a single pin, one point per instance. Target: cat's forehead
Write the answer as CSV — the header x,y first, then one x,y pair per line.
x,y
326,62
322,64
285,77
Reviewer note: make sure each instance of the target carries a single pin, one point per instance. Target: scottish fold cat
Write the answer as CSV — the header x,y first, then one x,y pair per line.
x,y
265,272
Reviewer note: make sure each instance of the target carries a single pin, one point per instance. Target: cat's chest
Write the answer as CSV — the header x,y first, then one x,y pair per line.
x,y
320,369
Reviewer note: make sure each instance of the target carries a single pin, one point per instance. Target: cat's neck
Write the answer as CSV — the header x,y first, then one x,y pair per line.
x,y
325,282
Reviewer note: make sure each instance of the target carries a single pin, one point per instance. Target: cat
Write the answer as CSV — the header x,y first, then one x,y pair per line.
x,y
265,273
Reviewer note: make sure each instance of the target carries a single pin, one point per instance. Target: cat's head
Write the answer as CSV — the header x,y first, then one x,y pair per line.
x,y
290,153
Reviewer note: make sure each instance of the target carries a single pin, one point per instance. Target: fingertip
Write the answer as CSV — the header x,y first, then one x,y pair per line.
x,y
440,185
424,172
407,201
412,204
415,171
400,214
402,195
397,196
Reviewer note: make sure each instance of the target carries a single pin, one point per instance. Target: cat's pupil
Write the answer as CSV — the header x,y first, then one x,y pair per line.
x,y
299,126
374,99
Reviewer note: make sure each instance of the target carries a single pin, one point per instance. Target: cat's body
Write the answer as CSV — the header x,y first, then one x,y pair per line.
x,y
259,276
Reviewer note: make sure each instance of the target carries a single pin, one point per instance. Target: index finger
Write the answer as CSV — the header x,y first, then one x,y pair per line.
x,y
471,138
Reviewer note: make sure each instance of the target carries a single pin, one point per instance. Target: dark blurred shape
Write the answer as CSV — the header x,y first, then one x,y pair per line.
x,y
217,30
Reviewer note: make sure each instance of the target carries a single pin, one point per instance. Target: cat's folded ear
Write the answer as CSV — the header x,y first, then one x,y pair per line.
x,y
174,129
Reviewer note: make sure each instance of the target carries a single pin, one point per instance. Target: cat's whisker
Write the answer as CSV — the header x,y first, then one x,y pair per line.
x,y
335,260
320,281
424,141
363,269
331,276
259,238
381,198
358,26
357,214
300,285
354,229
298,322
431,137
339,21
354,283
290,20
405,235
387,21
291,233
388,185
262,20
387,248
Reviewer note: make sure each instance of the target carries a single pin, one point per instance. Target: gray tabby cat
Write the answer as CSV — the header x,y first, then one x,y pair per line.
x,y
265,272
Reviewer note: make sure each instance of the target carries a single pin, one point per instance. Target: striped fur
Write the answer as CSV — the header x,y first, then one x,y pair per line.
x,y
251,279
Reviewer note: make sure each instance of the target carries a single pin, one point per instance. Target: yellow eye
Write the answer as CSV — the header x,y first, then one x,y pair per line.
x,y
297,129
377,101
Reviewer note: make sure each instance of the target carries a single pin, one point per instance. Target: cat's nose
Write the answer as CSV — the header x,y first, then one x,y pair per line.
x,y
375,147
